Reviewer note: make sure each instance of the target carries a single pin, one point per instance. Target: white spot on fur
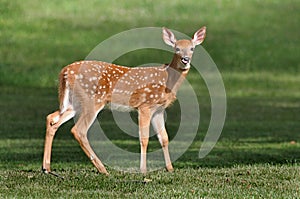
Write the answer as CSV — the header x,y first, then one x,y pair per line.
x,y
147,90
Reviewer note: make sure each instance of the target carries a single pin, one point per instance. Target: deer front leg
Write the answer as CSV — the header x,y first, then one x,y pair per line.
x,y
158,124
144,124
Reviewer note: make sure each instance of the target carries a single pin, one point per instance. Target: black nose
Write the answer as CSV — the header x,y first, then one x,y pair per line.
x,y
187,59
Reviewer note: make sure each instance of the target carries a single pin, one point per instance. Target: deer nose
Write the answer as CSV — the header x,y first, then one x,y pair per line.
x,y
185,60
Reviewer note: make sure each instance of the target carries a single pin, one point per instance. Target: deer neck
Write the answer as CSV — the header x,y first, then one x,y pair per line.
x,y
176,75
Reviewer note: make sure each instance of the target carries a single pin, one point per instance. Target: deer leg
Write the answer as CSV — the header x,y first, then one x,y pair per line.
x,y
53,122
144,124
158,124
80,133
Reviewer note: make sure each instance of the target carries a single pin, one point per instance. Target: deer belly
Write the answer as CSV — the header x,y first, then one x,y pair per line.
x,y
120,107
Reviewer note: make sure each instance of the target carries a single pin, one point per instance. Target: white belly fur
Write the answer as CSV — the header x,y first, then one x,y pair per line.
x,y
120,107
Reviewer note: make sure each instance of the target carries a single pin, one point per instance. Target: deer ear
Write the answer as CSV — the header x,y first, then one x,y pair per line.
x,y
199,36
169,37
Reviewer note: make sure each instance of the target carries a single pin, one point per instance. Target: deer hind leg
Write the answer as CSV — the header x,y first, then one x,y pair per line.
x,y
80,130
144,124
158,124
53,122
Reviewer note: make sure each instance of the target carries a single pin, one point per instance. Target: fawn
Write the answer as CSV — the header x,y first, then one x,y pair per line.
x,y
85,87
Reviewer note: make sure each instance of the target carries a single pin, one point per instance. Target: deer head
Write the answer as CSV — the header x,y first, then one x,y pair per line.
x,y
184,48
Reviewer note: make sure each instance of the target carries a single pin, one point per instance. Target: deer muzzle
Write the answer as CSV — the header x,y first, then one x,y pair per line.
x,y
185,60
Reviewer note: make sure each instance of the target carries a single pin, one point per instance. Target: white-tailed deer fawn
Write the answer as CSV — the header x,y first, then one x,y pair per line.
x,y
86,87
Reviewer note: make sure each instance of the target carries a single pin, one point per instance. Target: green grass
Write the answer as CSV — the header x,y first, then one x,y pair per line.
x,y
237,182
255,45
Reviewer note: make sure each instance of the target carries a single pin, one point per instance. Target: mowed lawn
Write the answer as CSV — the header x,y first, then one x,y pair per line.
x,y
255,45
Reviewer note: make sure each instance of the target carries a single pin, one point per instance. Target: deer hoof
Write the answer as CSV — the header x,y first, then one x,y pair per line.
x,y
45,171
169,168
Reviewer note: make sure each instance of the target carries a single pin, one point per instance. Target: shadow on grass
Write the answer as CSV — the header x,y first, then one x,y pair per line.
x,y
257,130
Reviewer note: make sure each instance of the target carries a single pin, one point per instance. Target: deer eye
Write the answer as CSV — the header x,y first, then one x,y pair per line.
x,y
177,49
192,49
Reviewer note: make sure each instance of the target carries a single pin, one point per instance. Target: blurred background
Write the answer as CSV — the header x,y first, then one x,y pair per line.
x,y
255,45
257,37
